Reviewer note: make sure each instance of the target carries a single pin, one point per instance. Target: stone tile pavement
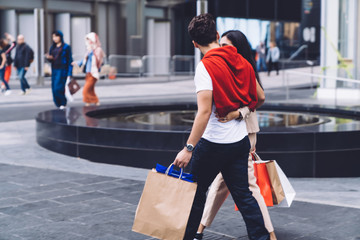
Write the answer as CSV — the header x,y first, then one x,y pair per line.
x,y
45,195
47,204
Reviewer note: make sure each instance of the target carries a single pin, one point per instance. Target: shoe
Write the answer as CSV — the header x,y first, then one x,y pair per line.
x,y
22,93
28,90
62,107
7,92
198,236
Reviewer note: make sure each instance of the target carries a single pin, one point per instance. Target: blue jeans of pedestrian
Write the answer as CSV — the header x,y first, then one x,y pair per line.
x,y
261,65
232,161
58,81
2,77
23,82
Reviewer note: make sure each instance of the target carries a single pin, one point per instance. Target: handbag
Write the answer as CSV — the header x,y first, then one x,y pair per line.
x,y
73,86
164,207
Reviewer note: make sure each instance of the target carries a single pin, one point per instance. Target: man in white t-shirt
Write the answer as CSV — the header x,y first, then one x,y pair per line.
x,y
224,82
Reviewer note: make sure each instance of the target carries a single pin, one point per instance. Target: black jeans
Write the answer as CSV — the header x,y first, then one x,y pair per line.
x,y
232,161
273,65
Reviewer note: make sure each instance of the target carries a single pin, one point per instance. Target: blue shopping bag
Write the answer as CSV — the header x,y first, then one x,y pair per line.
x,y
174,173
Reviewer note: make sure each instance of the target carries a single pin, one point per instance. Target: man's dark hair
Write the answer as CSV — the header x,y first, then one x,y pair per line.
x,y
202,29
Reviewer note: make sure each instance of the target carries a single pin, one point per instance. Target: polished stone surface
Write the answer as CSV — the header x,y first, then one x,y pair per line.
x,y
307,141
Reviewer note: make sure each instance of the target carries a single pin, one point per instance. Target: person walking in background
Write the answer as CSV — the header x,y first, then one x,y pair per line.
x,y
2,69
261,57
60,57
272,58
9,44
218,191
92,62
224,82
23,58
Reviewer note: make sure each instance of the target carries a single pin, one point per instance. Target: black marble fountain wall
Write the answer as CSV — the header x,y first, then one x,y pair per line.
x,y
301,152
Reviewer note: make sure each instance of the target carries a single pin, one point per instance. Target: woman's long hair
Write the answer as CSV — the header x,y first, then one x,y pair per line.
x,y
239,40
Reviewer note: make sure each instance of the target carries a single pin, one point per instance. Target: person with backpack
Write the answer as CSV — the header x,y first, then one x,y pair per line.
x,y
23,58
61,59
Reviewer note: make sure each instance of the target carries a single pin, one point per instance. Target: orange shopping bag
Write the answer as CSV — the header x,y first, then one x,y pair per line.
x,y
263,181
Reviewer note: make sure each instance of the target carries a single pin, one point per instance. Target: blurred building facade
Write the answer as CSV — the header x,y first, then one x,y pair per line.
x,y
340,36
159,27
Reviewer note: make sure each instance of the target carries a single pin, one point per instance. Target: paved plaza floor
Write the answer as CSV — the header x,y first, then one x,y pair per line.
x,y
45,195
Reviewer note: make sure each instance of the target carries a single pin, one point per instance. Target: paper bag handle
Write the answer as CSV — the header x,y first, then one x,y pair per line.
x,y
168,170
257,158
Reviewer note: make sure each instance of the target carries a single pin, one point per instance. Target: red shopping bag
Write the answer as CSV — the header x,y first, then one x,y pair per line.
x,y
263,181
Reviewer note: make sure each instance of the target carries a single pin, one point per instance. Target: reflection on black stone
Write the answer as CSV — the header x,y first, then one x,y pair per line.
x,y
90,122
186,118
169,118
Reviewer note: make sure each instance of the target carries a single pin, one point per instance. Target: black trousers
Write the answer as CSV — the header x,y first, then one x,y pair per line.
x,y
273,65
232,161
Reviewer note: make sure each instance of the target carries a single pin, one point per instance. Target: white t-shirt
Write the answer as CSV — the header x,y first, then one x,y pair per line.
x,y
215,131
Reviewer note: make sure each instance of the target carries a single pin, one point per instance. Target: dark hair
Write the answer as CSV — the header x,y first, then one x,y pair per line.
x,y
59,34
202,29
239,40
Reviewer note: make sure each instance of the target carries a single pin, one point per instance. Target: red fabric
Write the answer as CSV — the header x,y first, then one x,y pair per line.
x,y
233,79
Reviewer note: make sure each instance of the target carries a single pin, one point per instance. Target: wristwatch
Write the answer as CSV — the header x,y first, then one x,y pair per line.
x,y
190,147
240,115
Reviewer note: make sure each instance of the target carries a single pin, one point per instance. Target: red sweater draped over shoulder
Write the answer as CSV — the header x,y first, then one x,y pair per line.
x,y
233,80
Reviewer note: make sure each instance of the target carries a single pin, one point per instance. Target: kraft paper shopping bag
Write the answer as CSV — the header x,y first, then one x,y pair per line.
x,y
276,188
164,207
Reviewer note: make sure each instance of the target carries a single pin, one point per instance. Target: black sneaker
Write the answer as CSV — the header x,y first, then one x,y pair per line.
x,y
198,236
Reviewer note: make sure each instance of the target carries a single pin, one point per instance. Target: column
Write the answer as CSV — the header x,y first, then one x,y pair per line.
x,y
39,48
329,40
201,7
62,23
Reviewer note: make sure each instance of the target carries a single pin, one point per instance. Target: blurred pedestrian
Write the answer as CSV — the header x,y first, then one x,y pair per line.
x,y
272,58
9,44
92,62
2,69
23,58
261,57
60,57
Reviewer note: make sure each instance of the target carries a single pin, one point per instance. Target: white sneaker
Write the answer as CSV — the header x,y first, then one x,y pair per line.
x,y
28,90
62,107
22,93
7,92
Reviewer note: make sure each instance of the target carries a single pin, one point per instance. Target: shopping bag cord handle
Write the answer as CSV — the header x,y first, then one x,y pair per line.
x,y
169,168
